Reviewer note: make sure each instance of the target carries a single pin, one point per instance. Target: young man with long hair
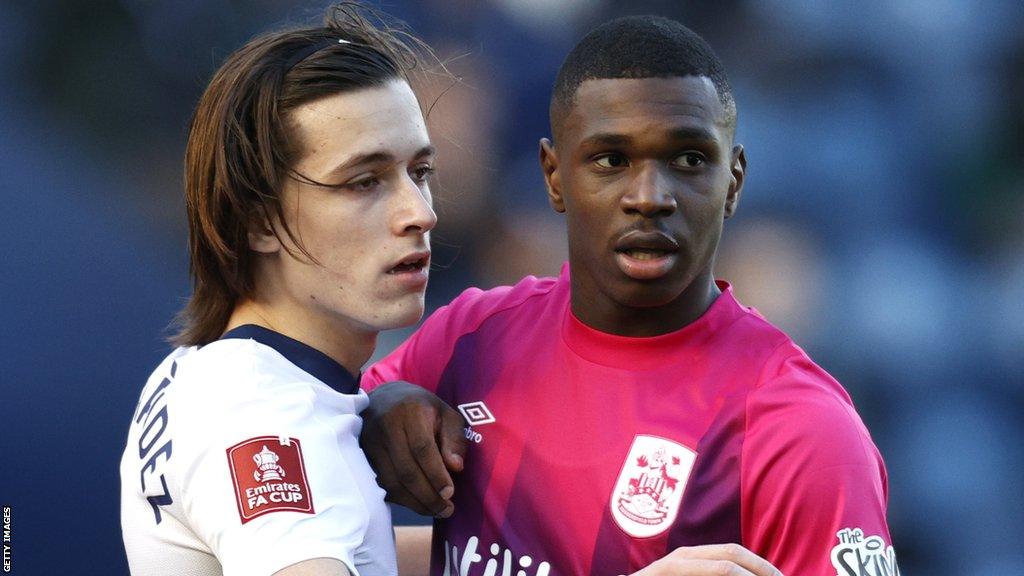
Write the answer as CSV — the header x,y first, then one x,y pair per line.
x,y
306,179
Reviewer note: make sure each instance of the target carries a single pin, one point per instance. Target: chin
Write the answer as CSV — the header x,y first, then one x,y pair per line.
x,y
400,314
648,294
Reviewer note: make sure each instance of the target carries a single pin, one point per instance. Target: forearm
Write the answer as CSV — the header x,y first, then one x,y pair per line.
x,y
316,567
413,545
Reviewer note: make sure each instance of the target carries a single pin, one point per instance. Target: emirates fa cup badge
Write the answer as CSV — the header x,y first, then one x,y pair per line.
x,y
259,478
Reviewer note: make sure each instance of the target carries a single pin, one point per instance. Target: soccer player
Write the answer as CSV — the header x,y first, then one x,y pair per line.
x,y
630,415
306,177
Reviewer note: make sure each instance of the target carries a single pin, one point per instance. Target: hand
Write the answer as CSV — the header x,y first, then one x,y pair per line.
x,y
413,439
710,560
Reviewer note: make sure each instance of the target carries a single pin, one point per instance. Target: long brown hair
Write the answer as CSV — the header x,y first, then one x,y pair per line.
x,y
238,151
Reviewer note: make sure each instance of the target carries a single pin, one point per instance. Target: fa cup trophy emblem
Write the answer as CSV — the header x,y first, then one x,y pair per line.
x,y
266,466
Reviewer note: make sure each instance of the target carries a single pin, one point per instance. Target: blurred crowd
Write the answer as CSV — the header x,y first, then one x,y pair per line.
x,y
880,225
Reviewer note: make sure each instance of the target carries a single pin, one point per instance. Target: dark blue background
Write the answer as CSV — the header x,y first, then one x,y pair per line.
x,y
880,226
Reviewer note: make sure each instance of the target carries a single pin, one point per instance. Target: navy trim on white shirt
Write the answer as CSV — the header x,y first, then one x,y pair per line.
x,y
316,363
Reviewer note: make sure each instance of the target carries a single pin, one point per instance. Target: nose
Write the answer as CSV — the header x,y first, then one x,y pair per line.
x,y
414,212
650,193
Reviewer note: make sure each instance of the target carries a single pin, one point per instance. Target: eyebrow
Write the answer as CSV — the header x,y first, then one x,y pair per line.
x,y
379,157
692,133
678,134
606,139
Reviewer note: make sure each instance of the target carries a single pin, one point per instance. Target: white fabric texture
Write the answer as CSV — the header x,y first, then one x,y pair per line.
x,y
223,394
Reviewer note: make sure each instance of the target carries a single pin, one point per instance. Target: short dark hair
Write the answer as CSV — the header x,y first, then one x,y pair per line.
x,y
239,149
638,47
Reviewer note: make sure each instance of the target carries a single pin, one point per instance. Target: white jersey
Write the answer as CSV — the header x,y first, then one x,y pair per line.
x,y
243,458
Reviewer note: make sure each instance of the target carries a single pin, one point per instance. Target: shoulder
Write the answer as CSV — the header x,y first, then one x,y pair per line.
x,y
236,374
797,406
423,357
475,306
793,405
783,371
237,389
752,332
217,370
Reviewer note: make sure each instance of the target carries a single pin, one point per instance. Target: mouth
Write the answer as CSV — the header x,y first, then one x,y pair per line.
x,y
646,255
413,263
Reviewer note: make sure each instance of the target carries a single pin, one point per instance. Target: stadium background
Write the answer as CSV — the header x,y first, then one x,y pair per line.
x,y
880,225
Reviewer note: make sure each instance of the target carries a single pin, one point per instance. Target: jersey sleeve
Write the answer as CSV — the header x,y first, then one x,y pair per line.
x,y
422,358
814,487
267,481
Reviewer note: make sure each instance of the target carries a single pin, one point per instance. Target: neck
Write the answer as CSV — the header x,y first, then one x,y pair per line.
x,y
612,317
344,344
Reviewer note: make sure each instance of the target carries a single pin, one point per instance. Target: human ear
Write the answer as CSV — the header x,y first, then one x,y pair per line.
x,y
262,238
549,165
738,170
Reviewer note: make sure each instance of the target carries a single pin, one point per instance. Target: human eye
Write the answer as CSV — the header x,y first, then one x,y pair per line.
x,y
366,183
610,160
422,172
689,159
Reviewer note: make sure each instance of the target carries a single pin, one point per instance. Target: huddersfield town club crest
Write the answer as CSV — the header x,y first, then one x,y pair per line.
x,y
646,497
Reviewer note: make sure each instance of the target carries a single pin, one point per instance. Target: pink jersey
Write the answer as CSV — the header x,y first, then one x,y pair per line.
x,y
592,453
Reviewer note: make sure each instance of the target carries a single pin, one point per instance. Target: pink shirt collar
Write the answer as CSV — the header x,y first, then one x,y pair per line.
x,y
647,353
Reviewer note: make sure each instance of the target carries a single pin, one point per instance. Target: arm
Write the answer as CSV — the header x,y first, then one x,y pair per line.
x,y
268,483
315,567
814,487
710,560
413,544
413,439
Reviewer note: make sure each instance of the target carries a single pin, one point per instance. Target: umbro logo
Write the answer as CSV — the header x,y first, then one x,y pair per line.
x,y
476,413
